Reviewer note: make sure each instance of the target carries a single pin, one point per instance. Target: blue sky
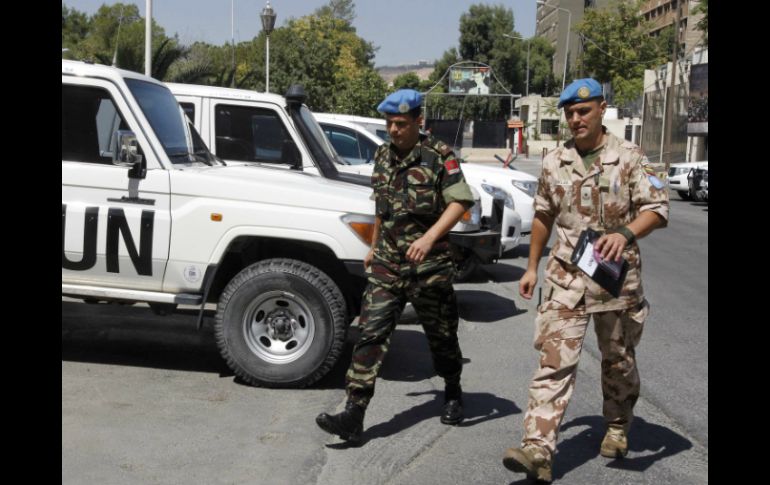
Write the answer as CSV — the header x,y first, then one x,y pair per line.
x,y
406,31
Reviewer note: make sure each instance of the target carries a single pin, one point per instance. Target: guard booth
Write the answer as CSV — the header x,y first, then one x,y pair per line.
x,y
516,136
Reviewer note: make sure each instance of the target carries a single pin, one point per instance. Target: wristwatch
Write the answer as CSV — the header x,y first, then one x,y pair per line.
x,y
627,233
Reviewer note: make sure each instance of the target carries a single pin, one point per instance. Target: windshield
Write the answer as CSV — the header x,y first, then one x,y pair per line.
x,y
180,141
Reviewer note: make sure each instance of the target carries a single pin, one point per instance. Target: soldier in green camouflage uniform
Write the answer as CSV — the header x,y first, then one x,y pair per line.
x,y
420,193
601,182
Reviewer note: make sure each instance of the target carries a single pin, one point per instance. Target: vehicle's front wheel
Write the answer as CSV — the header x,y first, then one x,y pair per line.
x,y
281,323
683,194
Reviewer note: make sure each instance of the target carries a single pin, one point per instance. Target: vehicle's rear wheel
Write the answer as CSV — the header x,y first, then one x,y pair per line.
x,y
281,323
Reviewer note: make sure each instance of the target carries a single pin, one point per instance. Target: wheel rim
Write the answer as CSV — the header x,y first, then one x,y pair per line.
x,y
278,327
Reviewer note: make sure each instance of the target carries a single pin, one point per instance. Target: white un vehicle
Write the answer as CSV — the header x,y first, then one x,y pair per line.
x,y
254,129
150,215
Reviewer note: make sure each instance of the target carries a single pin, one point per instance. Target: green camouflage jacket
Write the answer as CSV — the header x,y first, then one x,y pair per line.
x,y
411,194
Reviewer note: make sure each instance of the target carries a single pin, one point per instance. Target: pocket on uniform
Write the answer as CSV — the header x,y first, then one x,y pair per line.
x,y
563,294
634,323
421,194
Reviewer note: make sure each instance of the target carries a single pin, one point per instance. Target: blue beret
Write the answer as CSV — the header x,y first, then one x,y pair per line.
x,y
579,91
400,102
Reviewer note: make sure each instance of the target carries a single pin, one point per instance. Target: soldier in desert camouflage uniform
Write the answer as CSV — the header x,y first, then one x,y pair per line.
x,y
420,193
601,182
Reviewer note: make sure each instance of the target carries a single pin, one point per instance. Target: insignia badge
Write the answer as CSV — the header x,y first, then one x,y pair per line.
x,y
452,166
403,107
655,181
583,92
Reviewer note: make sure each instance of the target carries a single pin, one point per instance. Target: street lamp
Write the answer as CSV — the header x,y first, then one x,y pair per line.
x,y
528,45
268,23
566,44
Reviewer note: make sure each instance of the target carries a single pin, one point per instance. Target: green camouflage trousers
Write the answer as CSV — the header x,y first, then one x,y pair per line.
x,y
559,338
429,288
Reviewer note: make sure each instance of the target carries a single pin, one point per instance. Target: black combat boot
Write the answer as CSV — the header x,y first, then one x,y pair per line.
x,y
348,425
453,404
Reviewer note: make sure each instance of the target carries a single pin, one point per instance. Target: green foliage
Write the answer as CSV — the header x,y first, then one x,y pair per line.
x,y
618,48
482,39
74,27
95,39
408,80
339,9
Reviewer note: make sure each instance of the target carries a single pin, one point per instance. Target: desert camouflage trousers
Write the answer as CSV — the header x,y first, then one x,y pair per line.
x,y
388,290
559,338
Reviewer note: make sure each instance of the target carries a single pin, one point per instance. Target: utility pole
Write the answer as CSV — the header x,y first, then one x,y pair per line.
x,y
670,94
148,38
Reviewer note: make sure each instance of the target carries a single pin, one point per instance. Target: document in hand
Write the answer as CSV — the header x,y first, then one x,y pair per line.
x,y
609,274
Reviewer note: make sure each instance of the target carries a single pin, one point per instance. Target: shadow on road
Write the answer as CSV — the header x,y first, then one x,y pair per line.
x,y
120,335
483,306
478,406
647,444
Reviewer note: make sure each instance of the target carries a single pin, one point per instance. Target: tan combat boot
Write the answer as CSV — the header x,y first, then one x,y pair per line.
x,y
615,443
533,460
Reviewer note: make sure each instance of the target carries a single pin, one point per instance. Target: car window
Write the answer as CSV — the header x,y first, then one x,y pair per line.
x,y
249,134
343,140
367,147
89,120
189,110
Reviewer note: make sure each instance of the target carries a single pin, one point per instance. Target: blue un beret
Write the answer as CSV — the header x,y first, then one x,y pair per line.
x,y
400,102
579,91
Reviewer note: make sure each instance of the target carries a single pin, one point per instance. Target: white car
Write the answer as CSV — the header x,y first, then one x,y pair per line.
x,y
677,177
506,195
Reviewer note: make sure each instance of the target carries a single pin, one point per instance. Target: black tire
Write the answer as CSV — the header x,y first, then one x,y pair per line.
x,y
466,267
281,323
684,195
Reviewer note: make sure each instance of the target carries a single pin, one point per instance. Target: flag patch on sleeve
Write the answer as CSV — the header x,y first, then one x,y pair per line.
x,y
452,167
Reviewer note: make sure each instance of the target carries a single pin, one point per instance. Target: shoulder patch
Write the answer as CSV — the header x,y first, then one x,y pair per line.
x,y
655,181
442,148
451,166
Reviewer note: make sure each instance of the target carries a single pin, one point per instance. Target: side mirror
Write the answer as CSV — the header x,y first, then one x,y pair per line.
x,y
125,153
290,155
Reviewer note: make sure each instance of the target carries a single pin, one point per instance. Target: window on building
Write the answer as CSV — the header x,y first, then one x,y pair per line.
x,y
549,127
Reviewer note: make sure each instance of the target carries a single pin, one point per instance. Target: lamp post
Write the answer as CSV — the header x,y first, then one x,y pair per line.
x,y
528,45
268,23
566,44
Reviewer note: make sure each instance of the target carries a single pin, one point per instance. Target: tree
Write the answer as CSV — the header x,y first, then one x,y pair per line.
x,y
408,80
117,32
338,9
618,48
74,27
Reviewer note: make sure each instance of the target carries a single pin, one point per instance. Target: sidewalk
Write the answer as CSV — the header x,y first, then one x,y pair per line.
x,y
532,165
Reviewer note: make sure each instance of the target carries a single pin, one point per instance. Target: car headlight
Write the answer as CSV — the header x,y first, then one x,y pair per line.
x,y
499,194
361,225
472,216
529,188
